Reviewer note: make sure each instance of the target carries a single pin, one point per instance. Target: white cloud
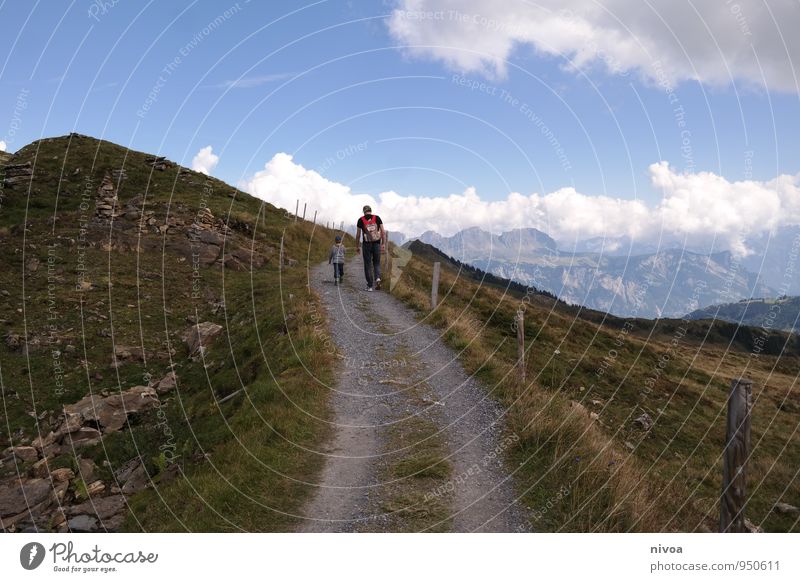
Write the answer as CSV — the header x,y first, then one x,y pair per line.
x,y
2,146
205,161
699,208
664,41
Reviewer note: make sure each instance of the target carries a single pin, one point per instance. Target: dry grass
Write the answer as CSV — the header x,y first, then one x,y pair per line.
x,y
575,425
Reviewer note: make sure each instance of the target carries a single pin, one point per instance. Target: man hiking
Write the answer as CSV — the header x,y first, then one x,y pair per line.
x,y
370,227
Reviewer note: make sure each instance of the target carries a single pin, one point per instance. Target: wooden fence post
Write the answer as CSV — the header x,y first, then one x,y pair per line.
x,y
737,450
435,285
315,217
296,209
387,263
521,345
304,209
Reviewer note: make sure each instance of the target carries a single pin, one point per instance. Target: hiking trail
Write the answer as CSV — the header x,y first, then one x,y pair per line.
x,y
417,444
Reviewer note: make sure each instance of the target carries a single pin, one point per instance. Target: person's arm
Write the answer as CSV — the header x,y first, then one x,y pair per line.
x,y
358,240
383,235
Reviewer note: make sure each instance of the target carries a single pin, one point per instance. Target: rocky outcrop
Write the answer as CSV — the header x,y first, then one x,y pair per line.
x,y
18,175
17,498
110,413
106,201
159,163
199,337
85,422
167,383
61,501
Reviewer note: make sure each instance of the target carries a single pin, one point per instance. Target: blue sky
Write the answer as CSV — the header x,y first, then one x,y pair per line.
x,y
316,80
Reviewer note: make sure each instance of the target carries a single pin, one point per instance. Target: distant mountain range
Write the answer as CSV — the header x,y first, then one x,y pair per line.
x,y
626,278
776,314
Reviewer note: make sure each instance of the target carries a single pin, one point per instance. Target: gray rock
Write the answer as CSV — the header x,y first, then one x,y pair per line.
x,y
787,509
201,335
101,507
643,422
167,383
62,474
23,453
15,499
82,523
111,412
87,470
138,480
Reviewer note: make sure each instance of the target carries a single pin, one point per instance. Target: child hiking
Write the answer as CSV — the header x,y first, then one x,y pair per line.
x,y
337,258
370,228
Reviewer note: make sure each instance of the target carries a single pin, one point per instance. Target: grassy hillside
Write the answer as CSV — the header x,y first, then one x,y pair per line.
x,y
92,305
583,461
782,313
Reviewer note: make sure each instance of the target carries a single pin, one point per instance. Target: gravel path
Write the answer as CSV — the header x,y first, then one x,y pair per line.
x,y
416,381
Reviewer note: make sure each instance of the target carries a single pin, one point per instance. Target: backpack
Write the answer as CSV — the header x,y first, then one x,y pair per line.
x,y
370,227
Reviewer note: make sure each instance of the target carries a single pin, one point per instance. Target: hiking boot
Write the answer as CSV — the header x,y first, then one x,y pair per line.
x,y
368,289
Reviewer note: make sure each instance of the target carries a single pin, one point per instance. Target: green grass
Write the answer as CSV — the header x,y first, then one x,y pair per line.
x,y
672,480
244,463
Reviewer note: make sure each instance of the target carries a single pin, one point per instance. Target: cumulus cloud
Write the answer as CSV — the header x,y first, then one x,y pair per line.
x,y
697,208
205,161
2,146
663,41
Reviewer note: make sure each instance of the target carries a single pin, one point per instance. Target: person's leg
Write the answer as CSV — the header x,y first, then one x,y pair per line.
x,y
366,252
376,259
335,274
340,270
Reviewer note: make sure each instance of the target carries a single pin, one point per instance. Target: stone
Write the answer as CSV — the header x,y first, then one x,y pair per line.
x,y
84,436
40,469
60,490
209,237
643,422
129,353
110,413
71,421
16,498
63,474
124,472
17,174
167,383
137,481
751,527
82,523
23,453
32,265
201,335
14,341
95,488
787,509
87,469
103,507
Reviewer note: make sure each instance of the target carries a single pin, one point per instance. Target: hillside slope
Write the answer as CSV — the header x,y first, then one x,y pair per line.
x,y
157,367
621,421
782,313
